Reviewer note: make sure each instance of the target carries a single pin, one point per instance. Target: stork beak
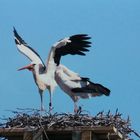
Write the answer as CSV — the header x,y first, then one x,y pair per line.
x,y
29,67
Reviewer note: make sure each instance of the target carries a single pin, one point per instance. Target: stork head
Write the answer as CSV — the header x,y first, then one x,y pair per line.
x,y
29,67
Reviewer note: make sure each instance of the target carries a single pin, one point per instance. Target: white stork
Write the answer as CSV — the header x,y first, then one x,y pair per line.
x,y
78,87
44,74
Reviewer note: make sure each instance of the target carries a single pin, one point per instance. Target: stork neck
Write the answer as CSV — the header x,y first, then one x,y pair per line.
x,y
51,56
39,69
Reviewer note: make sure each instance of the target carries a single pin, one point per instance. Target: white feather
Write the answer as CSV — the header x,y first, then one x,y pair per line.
x,y
29,53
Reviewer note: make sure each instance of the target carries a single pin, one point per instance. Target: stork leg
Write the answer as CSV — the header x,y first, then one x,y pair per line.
x,y
75,107
50,103
41,97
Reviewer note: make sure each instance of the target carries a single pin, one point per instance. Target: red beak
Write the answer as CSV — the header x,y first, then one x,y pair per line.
x,y
29,67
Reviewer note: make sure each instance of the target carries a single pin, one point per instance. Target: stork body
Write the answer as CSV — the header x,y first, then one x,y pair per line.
x,y
44,74
78,87
44,80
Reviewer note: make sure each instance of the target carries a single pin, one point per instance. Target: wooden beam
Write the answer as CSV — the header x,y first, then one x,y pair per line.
x,y
86,135
11,131
99,129
77,133
14,138
38,135
28,135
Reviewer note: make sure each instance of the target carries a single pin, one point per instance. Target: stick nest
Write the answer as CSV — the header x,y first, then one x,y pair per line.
x,y
35,119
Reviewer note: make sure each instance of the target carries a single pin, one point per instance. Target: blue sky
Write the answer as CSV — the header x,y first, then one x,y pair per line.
x,y
113,60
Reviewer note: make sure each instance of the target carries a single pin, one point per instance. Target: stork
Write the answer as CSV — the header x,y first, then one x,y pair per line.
x,y
44,74
76,86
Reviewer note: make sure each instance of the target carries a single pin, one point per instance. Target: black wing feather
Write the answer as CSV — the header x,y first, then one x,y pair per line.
x,y
78,46
92,88
99,88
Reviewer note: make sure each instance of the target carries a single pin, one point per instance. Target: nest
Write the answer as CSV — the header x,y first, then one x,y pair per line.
x,y
35,119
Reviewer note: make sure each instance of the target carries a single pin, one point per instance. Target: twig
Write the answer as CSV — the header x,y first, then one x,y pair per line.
x,y
64,120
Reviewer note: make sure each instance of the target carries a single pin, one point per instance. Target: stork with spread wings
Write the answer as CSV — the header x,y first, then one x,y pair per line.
x,y
44,74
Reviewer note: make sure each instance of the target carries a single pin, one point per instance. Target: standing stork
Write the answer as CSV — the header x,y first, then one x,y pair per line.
x,y
76,86
44,74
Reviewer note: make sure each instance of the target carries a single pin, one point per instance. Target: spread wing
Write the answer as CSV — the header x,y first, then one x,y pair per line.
x,y
74,45
23,47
